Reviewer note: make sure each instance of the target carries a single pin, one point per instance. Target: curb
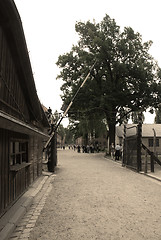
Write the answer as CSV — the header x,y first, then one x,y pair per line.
x,y
10,219
142,173
151,176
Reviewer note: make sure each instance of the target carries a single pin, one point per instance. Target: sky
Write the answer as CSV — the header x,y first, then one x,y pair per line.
x,y
49,28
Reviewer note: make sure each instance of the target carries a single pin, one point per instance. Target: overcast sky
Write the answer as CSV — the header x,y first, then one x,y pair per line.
x,y
49,27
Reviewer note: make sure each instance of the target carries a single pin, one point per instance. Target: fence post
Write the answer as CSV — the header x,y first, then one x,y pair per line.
x,y
52,161
146,162
139,144
152,163
124,147
154,142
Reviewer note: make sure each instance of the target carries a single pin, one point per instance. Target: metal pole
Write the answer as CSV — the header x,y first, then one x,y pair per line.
x,y
154,142
139,143
146,162
124,162
67,109
152,163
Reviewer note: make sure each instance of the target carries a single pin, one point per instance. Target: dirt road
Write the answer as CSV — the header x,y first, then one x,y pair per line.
x,y
95,198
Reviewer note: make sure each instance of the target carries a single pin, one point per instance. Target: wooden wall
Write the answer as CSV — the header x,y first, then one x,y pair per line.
x,y
12,99
14,179
15,101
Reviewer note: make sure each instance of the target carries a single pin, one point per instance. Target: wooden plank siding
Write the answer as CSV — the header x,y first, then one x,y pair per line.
x,y
14,182
4,169
11,95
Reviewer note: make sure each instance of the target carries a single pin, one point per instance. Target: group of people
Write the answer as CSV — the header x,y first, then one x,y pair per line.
x,y
116,151
84,148
87,148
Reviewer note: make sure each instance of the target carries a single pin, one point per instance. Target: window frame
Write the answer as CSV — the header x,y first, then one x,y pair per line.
x,y
18,151
151,142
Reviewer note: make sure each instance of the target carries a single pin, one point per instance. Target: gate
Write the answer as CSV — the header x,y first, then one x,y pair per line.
x,y
130,152
132,147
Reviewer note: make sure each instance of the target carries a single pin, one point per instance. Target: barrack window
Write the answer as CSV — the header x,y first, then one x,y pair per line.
x,y
18,152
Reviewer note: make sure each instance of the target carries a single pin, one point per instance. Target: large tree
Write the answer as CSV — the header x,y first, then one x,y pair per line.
x,y
125,77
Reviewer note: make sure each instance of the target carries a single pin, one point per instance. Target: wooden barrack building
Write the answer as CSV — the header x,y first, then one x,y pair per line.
x,y
22,120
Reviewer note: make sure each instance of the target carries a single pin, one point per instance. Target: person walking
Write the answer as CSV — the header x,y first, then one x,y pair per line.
x,y
117,152
112,151
121,152
78,149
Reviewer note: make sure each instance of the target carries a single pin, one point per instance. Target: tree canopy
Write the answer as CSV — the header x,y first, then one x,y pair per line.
x,y
125,77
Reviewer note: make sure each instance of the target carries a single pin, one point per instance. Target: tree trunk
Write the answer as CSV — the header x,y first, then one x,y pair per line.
x,y
86,139
111,120
112,132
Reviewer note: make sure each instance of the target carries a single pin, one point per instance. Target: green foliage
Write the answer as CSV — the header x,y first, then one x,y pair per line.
x,y
124,79
135,117
85,122
55,119
61,131
69,136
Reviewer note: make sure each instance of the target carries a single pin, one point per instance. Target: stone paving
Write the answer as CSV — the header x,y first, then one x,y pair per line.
x,y
28,222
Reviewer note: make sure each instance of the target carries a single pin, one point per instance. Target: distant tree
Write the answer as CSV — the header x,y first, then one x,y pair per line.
x,y
135,117
55,118
88,123
69,136
125,77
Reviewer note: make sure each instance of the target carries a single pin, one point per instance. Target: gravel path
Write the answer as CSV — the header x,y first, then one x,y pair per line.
x,y
95,198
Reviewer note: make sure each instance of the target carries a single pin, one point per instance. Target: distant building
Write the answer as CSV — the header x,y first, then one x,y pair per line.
x,y
79,141
148,134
